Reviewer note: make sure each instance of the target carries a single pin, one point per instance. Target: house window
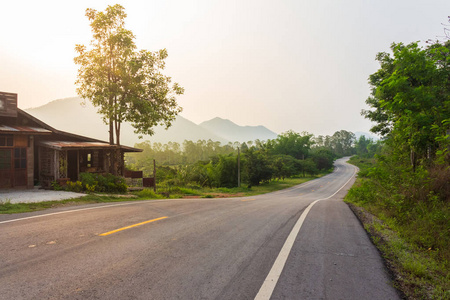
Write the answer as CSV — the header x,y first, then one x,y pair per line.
x,y
5,159
6,140
89,160
20,158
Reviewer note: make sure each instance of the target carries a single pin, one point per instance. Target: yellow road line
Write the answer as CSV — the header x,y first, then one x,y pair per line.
x,y
131,226
248,200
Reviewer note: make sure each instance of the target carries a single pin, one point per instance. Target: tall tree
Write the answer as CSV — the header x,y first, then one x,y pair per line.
x,y
124,83
293,144
342,142
411,98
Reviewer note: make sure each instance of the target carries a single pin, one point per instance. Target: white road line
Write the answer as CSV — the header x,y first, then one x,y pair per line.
x,y
104,206
266,290
67,211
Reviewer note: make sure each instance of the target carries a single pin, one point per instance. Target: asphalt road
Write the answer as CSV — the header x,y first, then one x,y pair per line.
x,y
237,248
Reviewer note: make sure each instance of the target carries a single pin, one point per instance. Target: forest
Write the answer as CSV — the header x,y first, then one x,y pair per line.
x,y
210,164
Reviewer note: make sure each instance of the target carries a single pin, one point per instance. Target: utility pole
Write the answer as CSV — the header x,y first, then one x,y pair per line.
x,y
239,167
154,176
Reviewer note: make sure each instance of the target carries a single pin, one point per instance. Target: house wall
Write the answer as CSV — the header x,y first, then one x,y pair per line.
x,y
46,166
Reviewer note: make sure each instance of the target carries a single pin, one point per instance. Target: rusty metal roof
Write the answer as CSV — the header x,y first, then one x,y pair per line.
x,y
23,129
65,145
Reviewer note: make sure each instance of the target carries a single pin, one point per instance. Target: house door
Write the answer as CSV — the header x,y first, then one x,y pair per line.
x,y
72,165
13,167
6,170
20,167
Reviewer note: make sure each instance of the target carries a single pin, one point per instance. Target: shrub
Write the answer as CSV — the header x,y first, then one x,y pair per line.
x,y
90,182
148,193
76,186
56,186
188,191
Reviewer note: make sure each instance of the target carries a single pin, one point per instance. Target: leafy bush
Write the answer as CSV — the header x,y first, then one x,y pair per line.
x,y
148,194
257,167
76,186
323,158
56,186
90,182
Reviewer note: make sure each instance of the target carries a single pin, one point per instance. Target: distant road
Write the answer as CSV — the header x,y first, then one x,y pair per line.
x,y
237,248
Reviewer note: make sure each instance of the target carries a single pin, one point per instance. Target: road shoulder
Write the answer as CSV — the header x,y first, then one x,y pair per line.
x,y
333,258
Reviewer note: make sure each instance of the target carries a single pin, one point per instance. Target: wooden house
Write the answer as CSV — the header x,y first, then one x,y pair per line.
x,y
32,152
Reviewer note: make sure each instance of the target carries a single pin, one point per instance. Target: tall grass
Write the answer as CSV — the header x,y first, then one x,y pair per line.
x,y
415,214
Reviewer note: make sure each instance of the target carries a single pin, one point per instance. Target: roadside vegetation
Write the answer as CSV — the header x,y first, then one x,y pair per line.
x,y
207,169
208,164
6,207
405,185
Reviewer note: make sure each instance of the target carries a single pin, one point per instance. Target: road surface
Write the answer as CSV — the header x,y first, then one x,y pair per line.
x,y
282,245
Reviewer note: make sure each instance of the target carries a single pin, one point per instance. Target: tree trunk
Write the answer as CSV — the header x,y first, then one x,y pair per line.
x,y
117,126
111,131
413,160
119,166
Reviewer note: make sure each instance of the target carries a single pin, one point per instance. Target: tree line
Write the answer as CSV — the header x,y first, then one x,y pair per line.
x,y
408,184
208,163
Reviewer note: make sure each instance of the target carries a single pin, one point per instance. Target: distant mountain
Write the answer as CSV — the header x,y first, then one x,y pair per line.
x,y
233,132
69,115
367,135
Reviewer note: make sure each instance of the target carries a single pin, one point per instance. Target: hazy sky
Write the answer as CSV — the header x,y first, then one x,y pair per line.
x,y
300,64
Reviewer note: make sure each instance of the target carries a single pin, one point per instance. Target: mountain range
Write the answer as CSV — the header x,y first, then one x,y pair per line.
x,y
69,115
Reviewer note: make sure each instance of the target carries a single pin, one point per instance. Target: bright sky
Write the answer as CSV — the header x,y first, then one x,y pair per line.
x,y
285,64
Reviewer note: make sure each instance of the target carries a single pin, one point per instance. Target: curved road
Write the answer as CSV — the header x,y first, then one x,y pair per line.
x,y
273,246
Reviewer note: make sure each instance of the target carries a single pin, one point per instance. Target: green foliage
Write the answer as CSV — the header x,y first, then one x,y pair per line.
x,y
76,186
367,148
90,183
410,100
323,158
408,184
308,166
257,167
172,154
5,205
148,194
125,84
284,166
341,143
210,164
292,144
227,171
56,186
416,206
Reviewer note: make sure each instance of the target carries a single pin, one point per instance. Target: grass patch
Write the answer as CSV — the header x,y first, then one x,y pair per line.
x,y
263,188
413,236
148,194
